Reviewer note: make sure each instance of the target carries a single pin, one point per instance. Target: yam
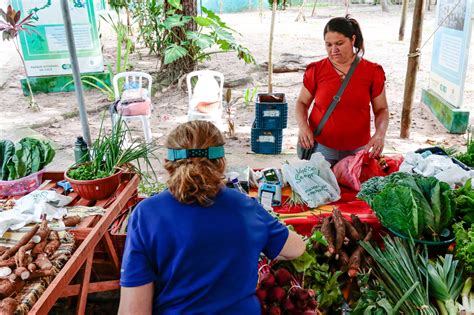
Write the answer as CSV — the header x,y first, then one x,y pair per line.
x,y
339,228
326,230
51,247
10,262
22,273
41,273
8,306
72,221
21,256
356,257
43,230
351,231
53,235
32,267
39,248
358,225
23,241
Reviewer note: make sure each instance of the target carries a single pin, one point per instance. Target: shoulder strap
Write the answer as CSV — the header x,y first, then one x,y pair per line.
x,y
337,97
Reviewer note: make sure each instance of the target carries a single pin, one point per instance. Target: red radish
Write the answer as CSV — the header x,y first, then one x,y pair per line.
x,y
268,280
276,294
274,310
283,276
312,303
261,294
289,305
309,312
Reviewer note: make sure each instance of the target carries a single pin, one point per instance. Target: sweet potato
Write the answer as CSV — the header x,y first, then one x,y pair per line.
x,y
23,241
72,221
21,256
358,225
10,262
41,273
43,230
32,267
53,235
326,230
39,248
7,288
356,257
8,306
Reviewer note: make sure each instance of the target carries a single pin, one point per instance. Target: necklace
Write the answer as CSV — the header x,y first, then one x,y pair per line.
x,y
338,69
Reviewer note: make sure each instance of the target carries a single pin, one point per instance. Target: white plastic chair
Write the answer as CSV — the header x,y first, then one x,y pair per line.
x,y
212,88
134,77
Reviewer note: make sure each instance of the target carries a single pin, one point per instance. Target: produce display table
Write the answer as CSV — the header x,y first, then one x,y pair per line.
x,y
90,234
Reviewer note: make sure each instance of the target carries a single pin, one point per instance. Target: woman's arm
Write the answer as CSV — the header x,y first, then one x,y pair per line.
x,y
380,109
294,247
305,135
136,300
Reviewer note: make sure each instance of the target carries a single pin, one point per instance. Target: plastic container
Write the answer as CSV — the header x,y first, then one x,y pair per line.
x,y
266,141
233,178
271,111
439,151
22,185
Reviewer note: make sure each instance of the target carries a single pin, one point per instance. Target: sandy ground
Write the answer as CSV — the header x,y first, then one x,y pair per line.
x,y
304,39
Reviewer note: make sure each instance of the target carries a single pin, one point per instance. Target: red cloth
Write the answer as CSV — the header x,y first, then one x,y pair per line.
x,y
348,126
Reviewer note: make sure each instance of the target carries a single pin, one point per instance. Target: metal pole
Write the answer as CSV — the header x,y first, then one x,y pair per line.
x,y
75,71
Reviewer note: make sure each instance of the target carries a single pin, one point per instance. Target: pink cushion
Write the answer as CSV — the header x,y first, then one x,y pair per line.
x,y
135,109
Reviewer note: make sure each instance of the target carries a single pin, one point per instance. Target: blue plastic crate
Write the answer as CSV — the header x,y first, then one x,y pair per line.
x,y
271,110
266,141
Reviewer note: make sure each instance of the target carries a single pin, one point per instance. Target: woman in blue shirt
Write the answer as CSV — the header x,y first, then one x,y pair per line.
x,y
194,248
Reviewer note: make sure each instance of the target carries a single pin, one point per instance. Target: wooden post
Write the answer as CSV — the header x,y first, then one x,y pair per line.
x,y
270,48
401,31
412,68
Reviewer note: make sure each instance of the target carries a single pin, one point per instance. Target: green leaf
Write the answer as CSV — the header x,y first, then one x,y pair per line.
x,y
173,53
7,150
302,263
203,41
175,4
176,20
202,21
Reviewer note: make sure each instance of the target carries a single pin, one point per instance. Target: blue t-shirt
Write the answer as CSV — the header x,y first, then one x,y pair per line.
x,y
202,260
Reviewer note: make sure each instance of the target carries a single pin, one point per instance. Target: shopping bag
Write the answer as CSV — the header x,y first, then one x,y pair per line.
x,y
354,170
313,180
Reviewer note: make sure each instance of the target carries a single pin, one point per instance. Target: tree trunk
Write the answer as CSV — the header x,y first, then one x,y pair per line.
x,y
401,32
270,48
412,68
313,13
301,12
385,7
172,72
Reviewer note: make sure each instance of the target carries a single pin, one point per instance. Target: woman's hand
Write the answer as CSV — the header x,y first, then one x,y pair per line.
x,y
375,145
305,137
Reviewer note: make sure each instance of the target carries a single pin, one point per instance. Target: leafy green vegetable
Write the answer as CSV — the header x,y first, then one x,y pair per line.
x,y
465,245
398,273
26,157
373,299
445,282
463,199
467,157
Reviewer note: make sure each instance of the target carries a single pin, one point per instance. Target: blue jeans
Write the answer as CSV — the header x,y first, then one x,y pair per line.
x,y
332,155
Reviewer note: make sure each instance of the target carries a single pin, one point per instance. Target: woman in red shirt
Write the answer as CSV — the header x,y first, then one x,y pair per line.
x,y
348,128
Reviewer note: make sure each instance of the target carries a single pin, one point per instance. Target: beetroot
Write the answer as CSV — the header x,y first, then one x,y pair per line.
x,y
283,276
309,312
268,280
261,294
276,294
274,310
289,305
312,303
302,294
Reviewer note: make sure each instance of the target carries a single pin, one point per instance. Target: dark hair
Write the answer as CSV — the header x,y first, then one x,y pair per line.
x,y
347,26
196,179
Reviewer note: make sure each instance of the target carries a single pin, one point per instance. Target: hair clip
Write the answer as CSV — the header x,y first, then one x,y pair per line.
x,y
211,153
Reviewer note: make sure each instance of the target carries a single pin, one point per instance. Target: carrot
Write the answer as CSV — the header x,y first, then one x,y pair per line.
x,y
8,306
340,229
326,230
356,257
350,230
23,241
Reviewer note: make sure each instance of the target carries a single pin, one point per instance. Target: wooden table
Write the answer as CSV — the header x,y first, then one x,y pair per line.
x,y
92,231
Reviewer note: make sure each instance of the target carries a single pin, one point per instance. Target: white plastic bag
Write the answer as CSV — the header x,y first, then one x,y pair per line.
x,y
313,180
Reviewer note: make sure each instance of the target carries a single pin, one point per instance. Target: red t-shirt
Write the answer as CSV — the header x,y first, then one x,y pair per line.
x,y
348,127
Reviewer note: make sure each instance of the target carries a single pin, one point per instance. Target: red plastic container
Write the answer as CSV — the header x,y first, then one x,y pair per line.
x,y
22,185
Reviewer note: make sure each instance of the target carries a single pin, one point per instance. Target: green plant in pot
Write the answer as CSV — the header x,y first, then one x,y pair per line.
x,y
110,155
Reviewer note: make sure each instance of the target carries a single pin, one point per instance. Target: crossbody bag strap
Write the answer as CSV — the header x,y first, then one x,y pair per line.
x,y
337,97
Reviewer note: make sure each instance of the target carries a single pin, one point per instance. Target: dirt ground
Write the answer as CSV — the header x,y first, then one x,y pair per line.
x,y
293,41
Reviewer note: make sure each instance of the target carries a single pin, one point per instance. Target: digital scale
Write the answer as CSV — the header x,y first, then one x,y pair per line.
x,y
269,188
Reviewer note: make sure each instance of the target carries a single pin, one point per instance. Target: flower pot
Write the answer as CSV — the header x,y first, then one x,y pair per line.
x,y
96,189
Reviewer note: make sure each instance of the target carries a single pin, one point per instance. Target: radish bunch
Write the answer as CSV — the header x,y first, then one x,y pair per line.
x,y
279,293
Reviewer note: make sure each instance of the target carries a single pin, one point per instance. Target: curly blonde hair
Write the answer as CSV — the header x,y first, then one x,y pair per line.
x,y
196,179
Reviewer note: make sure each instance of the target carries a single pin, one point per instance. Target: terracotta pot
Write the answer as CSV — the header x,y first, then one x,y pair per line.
x,y
95,189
